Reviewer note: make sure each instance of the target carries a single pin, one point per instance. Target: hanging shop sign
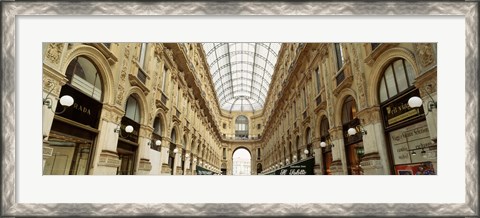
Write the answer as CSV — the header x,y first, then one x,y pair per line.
x,y
133,136
355,123
203,171
398,111
304,167
85,110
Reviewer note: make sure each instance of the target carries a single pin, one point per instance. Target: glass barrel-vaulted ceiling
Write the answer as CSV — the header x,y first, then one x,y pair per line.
x,y
241,73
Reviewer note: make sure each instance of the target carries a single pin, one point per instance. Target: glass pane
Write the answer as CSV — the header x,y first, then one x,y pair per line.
x,y
392,88
247,67
410,73
400,75
383,91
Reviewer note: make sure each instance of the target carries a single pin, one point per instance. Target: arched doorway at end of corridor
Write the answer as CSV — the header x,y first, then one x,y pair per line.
x,y
242,159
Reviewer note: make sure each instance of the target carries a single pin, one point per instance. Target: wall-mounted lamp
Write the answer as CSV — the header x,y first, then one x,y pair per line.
x,y
187,156
287,161
157,143
175,150
416,102
357,129
326,141
294,158
65,101
306,151
128,129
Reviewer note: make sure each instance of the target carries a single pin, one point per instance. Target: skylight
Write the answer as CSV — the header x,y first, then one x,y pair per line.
x,y
241,73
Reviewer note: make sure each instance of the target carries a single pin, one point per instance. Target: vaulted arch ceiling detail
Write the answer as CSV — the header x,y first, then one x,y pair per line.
x,y
241,73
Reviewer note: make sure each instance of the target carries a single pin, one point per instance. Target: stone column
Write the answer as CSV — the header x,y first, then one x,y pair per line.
x,y
339,164
165,155
194,164
144,164
178,168
187,170
317,153
106,161
375,159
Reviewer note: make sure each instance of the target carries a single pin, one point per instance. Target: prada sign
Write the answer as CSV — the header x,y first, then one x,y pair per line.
x,y
398,111
85,110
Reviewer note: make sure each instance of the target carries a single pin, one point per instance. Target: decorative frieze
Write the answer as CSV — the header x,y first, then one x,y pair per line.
x,y
54,52
426,54
369,115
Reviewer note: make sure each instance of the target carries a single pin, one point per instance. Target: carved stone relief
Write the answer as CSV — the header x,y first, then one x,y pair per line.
x,y
426,53
359,78
54,52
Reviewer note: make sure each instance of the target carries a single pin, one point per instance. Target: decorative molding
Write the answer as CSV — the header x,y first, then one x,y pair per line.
x,y
426,54
54,51
370,115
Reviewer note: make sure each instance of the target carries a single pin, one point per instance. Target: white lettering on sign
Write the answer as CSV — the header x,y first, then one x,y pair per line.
x,y
404,140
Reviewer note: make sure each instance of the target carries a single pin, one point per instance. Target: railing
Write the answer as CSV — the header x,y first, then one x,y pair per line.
x,y
142,76
178,112
340,77
319,100
164,99
249,137
374,45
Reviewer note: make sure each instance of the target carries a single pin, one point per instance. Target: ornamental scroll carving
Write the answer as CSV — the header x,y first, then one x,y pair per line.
x,y
54,51
359,77
426,53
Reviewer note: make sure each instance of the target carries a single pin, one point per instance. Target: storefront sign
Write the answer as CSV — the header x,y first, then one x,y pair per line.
x,y
406,140
85,110
203,171
398,111
354,138
304,167
133,136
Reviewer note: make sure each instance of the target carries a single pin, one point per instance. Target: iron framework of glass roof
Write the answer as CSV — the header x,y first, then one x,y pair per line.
x,y
241,73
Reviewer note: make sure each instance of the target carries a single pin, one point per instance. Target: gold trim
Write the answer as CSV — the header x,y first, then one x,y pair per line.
x,y
73,123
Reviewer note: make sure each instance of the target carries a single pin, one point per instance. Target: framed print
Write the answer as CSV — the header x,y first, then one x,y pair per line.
x,y
183,88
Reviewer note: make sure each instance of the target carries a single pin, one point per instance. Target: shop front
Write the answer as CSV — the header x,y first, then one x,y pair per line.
x,y
71,140
353,147
412,151
303,167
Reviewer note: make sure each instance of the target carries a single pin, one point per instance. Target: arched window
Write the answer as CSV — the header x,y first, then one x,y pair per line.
x,y
157,126
353,144
397,77
308,139
349,110
241,127
290,151
327,151
298,148
132,109
83,75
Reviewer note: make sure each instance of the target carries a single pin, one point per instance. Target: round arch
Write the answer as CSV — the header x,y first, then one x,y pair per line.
x,y
381,63
240,147
161,117
241,166
137,93
101,63
174,135
337,119
318,120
